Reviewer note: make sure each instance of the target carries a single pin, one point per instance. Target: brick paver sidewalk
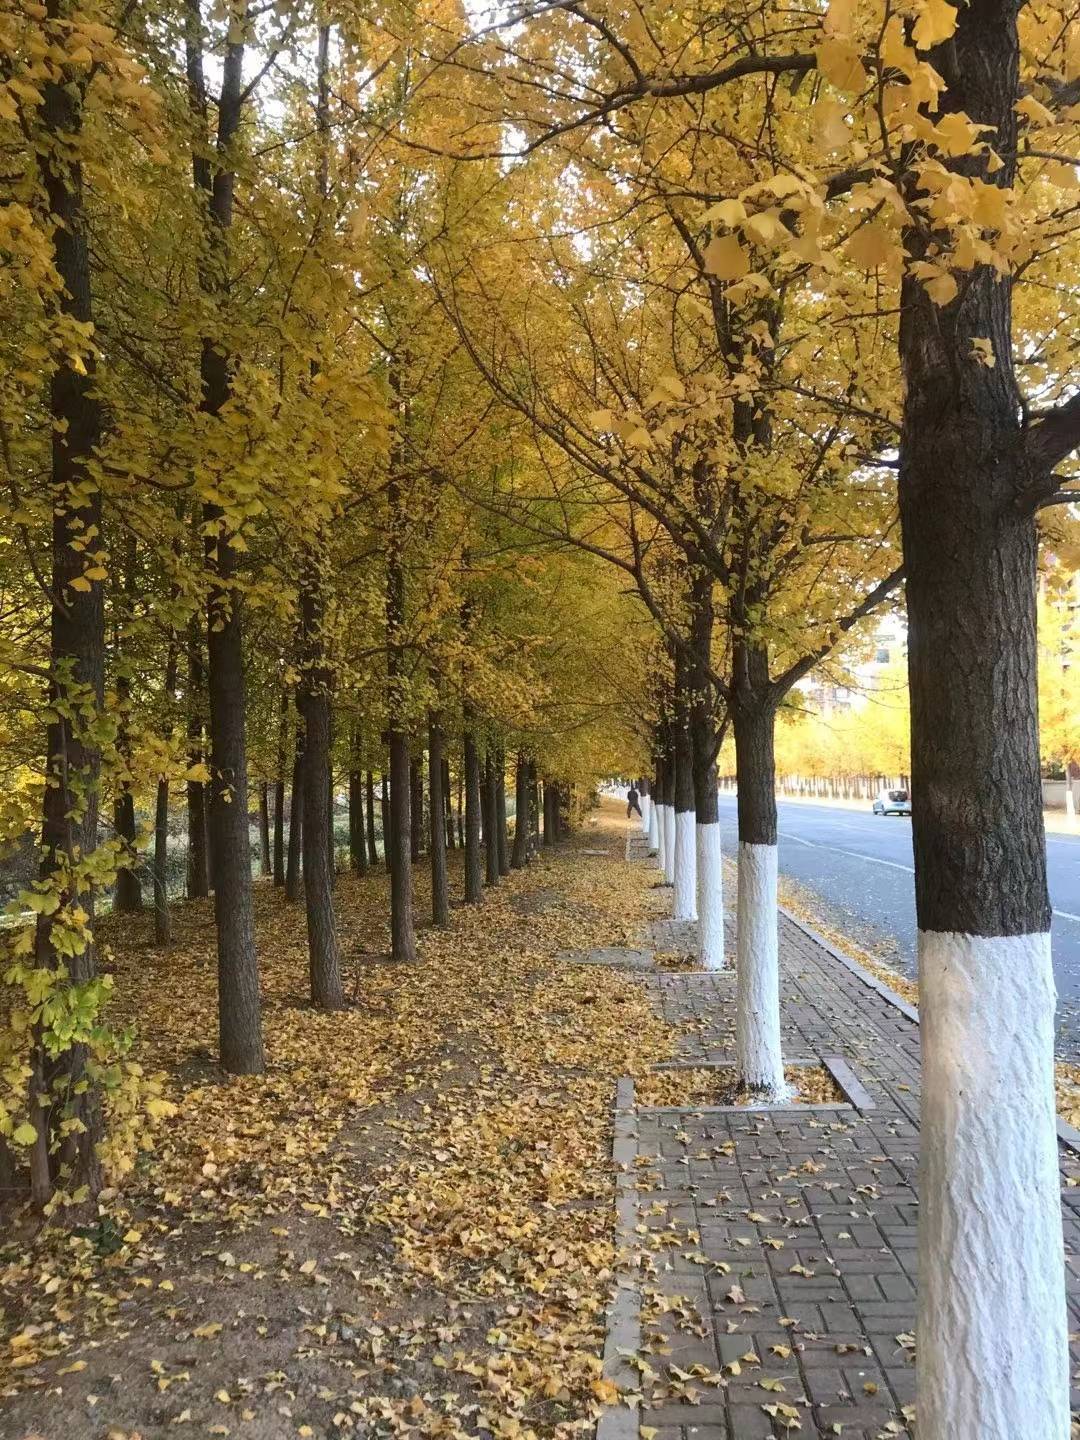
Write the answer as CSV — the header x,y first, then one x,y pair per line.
x,y
774,1251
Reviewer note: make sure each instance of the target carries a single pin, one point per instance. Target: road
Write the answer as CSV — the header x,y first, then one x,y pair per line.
x,y
855,869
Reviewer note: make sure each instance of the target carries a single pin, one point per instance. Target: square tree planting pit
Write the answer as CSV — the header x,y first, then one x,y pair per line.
x,y
828,1083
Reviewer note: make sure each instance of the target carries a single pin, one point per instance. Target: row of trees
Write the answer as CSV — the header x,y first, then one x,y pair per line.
x,y
835,244
568,388
236,432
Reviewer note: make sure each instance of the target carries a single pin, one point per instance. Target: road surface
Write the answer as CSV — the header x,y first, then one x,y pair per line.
x,y
855,869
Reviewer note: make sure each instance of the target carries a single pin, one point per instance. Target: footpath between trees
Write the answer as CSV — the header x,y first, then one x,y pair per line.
x,y
769,1257
403,1228
406,1228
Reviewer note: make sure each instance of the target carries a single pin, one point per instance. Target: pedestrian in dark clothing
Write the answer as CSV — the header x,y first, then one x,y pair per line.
x,y
632,805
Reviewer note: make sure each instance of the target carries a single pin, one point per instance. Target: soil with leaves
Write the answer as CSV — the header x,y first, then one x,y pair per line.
x,y
405,1227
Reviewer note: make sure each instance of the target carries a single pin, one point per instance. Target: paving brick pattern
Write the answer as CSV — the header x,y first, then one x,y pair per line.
x,y
758,1219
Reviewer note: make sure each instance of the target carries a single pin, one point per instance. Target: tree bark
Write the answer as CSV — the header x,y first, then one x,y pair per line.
x,y
384,816
293,875
991,1278
76,644
668,816
685,900
440,891
474,881
757,1016
198,854
160,871
502,835
416,805
239,1016
324,958
127,897
704,736
449,805
491,819
265,864
520,856
403,935
358,858
373,849
279,790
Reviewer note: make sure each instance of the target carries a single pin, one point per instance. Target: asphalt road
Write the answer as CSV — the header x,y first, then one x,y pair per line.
x,y
855,871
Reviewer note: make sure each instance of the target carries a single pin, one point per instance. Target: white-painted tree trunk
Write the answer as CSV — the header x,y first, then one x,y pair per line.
x,y
646,805
992,1333
710,896
685,907
757,1014
654,833
669,844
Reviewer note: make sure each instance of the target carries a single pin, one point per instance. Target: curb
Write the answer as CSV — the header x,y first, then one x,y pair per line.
x,y
623,1328
1068,1135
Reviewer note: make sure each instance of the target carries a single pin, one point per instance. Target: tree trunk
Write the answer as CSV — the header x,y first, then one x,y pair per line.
x,y
685,899
373,849
198,854
358,858
160,872
162,918
239,1017
646,806
402,931
502,836
265,864
550,814
461,811
669,808
656,812
704,734
491,819
324,957
416,805
279,789
384,816
449,805
127,897
991,1279
293,876
520,856
76,641
757,1009
474,881
440,892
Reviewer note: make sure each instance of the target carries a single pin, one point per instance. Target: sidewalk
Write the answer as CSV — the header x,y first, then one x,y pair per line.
x,y
772,1253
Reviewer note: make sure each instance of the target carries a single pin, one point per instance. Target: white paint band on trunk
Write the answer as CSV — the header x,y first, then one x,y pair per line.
x,y
669,844
685,907
992,1333
644,801
757,1010
654,832
710,896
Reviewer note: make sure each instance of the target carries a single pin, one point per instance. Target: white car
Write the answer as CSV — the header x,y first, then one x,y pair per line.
x,y
892,802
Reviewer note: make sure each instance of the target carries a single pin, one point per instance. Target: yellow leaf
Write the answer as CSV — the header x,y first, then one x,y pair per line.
x,y
830,123
725,258
870,247
839,62
725,212
936,22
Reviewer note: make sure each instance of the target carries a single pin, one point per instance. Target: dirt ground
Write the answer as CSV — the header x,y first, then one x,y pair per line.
x,y
403,1228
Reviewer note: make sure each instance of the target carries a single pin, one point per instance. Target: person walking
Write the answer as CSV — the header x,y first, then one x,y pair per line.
x,y
633,806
